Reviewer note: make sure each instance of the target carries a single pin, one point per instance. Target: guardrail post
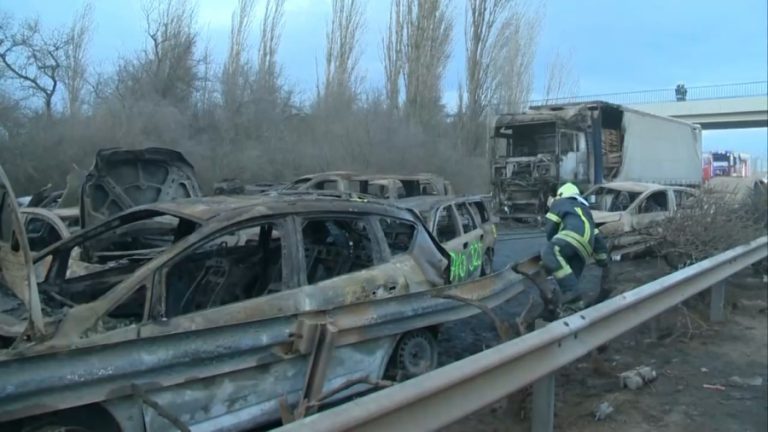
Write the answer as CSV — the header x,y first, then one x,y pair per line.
x,y
717,302
653,328
543,407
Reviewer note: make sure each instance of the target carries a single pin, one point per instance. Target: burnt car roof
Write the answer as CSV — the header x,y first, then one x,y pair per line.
x,y
360,176
208,208
634,186
430,202
425,203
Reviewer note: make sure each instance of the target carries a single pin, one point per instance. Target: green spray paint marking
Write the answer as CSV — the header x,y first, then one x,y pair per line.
x,y
466,262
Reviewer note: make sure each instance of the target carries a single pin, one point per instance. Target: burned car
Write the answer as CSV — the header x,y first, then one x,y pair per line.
x,y
386,186
236,311
622,210
465,227
119,179
234,186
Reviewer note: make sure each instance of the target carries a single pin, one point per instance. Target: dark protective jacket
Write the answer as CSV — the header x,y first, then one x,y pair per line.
x,y
570,220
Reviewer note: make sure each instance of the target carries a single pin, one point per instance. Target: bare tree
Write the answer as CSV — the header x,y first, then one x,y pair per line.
x,y
33,57
562,81
75,58
207,88
392,50
342,51
268,70
235,73
482,19
170,27
427,46
514,49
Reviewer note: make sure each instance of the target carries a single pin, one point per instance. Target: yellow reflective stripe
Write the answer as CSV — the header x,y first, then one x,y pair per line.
x,y
601,256
553,217
565,269
577,241
586,225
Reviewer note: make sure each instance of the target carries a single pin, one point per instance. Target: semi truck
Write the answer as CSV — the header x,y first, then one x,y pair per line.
x,y
587,144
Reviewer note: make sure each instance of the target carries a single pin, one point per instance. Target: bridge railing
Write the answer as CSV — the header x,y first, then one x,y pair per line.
x,y
721,91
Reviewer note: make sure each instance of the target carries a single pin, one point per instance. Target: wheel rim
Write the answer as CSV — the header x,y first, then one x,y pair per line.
x,y
56,428
416,354
487,266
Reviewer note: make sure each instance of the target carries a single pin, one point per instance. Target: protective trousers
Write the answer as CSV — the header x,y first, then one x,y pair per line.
x,y
563,261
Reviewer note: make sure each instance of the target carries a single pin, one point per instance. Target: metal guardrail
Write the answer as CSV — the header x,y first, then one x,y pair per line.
x,y
721,91
452,392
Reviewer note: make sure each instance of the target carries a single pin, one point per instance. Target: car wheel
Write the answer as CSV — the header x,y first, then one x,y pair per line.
x,y
678,260
415,354
74,420
58,428
487,266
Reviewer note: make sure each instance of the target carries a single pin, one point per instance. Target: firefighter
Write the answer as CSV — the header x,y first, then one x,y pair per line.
x,y
572,239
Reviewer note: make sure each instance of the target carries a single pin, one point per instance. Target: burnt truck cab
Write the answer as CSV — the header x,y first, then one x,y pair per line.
x,y
540,149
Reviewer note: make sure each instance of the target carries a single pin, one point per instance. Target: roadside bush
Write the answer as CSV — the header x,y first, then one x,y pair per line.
x,y
713,222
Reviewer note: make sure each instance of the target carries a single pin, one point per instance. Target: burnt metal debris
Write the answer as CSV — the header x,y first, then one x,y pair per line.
x,y
215,312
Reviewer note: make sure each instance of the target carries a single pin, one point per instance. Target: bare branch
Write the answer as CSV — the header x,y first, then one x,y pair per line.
x,y
427,48
514,50
342,52
561,79
268,71
75,58
392,50
235,72
171,62
33,57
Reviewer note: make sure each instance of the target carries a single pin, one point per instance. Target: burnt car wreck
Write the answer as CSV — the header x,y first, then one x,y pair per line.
x,y
219,313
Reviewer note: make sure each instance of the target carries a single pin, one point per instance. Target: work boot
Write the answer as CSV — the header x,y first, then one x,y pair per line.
x,y
550,295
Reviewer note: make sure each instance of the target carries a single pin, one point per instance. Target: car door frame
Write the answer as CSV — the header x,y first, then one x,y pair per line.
x,y
288,265
371,226
474,241
458,246
641,220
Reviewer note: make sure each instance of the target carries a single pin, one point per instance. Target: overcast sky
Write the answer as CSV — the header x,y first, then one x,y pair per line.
x,y
615,45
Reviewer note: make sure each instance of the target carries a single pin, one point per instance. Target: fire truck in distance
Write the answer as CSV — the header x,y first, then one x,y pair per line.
x,y
725,164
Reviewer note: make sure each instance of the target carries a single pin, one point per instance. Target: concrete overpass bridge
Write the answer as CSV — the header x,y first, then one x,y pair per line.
x,y
727,106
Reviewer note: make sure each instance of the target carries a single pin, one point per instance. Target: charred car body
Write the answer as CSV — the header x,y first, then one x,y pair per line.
x,y
390,187
233,186
465,226
623,210
119,179
226,311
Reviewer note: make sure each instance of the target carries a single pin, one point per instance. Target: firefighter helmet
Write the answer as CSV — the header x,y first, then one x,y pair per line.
x,y
568,190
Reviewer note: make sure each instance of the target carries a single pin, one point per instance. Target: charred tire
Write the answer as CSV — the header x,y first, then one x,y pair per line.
x,y
487,265
677,260
74,420
415,354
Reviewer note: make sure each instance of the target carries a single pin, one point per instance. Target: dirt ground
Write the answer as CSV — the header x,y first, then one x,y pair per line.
x,y
689,354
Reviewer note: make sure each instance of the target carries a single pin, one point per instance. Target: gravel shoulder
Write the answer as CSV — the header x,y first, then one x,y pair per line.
x,y
696,362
